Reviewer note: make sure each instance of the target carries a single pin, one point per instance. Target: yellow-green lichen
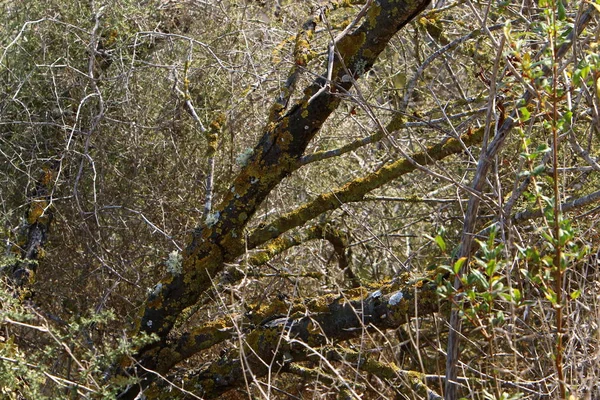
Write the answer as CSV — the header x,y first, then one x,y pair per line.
x,y
341,3
276,54
372,14
212,140
319,304
368,54
275,112
212,135
48,176
302,54
285,139
167,357
156,303
216,125
262,341
36,212
350,44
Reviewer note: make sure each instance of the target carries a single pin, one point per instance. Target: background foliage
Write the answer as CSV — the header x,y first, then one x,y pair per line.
x,y
93,109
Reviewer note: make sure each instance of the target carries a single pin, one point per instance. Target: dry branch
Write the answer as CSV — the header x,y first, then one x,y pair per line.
x,y
284,141
310,326
483,166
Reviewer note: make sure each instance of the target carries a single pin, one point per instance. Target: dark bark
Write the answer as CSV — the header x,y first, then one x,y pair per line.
x,y
276,155
311,327
38,219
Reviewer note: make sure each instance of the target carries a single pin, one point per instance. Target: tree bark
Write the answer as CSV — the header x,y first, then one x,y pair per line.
x,y
276,155
310,327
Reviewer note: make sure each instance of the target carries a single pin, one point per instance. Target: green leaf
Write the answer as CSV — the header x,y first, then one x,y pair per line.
x,y
458,264
575,295
543,148
471,295
524,114
487,296
551,296
446,268
540,169
516,295
440,242
562,13
491,268
497,284
581,74
493,233
482,245
477,277
500,318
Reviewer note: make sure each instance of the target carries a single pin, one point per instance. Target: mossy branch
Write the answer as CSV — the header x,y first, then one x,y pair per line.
x,y
275,156
334,236
283,142
38,218
414,382
303,54
356,190
312,325
397,123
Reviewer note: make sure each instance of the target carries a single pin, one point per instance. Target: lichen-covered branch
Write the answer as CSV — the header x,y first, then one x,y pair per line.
x,y
415,381
273,159
323,155
283,142
356,190
334,236
396,123
35,231
313,325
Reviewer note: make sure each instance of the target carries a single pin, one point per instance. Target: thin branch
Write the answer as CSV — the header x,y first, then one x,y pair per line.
x,y
411,199
332,47
355,190
331,53
323,155
387,371
412,84
386,308
478,182
54,378
170,383
581,152
146,220
21,32
565,207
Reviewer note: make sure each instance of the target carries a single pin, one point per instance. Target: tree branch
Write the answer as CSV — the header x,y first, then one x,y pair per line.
x,y
356,190
283,142
334,236
483,166
35,231
314,324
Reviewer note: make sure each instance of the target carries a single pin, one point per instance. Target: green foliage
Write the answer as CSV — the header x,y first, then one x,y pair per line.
x,y
102,90
71,360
